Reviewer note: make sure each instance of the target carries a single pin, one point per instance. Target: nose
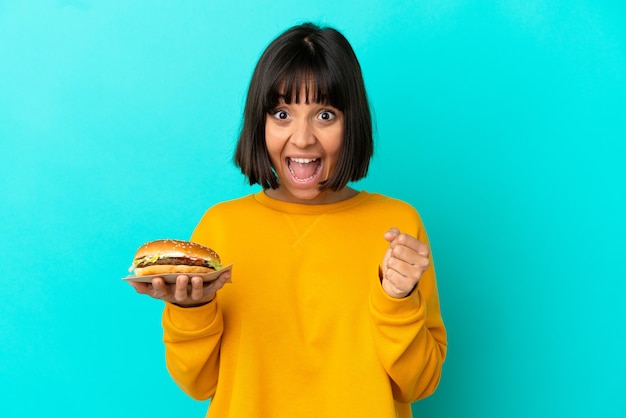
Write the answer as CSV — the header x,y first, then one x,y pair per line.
x,y
302,135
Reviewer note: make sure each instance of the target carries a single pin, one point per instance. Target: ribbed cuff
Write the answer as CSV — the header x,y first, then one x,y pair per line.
x,y
407,309
190,319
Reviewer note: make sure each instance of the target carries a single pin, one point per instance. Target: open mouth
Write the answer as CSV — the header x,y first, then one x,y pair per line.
x,y
304,169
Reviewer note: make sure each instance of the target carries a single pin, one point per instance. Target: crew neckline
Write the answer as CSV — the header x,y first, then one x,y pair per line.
x,y
315,209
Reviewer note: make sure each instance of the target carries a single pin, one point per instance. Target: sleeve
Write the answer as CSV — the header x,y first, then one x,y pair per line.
x,y
192,339
193,336
410,336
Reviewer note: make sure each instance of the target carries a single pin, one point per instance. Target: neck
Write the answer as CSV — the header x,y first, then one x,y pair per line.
x,y
322,198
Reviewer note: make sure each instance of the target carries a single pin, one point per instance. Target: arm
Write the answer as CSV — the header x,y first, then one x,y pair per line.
x,y
192,338
192,325
408,330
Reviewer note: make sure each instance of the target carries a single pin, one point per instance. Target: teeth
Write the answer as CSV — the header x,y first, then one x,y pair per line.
x,y
303,160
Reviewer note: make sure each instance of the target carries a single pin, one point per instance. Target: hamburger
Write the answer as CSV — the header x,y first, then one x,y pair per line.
x,y
166,256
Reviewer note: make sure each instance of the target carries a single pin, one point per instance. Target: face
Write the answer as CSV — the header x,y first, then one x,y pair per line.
x,y
303,141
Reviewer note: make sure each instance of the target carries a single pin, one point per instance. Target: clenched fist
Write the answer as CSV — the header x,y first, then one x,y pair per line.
x,y
404,263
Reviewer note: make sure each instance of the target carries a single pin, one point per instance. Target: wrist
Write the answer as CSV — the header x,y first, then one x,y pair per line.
x,y
194,305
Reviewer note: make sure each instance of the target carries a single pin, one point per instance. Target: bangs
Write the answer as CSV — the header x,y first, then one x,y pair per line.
x,y
303,79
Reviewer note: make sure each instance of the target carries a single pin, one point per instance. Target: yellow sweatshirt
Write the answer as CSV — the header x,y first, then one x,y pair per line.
x,y
305,329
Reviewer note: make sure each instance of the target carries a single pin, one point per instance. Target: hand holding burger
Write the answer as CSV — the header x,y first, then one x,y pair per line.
x,y
176,256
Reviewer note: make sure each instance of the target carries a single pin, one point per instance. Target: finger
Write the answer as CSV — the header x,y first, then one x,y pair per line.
x,y
141,288
181,290
391,234
397,284
226,276
412,243
215,285
197,288
410,255
159,288
412,269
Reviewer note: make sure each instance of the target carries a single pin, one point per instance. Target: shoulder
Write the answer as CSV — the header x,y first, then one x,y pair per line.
x,y
222,219
227,209
386,203
227,206
394,212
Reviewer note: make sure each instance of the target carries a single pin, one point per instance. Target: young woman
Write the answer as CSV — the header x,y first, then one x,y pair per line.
x,y
333,310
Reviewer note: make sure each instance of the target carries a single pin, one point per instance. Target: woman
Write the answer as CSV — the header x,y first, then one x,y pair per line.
x,y
333,310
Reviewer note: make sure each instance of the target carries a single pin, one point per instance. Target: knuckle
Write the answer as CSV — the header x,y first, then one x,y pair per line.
x,y
398,252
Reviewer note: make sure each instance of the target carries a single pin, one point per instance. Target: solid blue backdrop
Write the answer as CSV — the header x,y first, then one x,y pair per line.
x,y
501,122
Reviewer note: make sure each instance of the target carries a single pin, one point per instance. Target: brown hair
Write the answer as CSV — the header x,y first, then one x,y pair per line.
x,y
323,61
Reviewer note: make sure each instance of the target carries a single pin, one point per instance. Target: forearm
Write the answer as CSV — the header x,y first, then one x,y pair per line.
x,y
192,339
411,341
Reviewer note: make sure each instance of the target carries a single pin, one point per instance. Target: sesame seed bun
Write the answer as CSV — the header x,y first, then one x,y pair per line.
x,y
166,256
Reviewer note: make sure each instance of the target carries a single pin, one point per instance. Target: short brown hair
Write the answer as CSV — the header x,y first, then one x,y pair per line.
x,y
323,60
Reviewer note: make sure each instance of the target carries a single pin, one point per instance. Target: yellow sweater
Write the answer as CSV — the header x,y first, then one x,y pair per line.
x,y
305,329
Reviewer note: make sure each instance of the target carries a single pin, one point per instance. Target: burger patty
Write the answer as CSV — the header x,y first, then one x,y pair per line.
x,y
184,261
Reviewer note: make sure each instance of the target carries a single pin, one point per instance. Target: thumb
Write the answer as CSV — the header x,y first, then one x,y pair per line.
x,y
391,234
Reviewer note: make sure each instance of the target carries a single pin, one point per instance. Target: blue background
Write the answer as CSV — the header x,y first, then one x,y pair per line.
x,y
502,122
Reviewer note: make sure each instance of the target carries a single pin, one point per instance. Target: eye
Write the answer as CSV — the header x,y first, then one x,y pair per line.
x,y
280,114
326,115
